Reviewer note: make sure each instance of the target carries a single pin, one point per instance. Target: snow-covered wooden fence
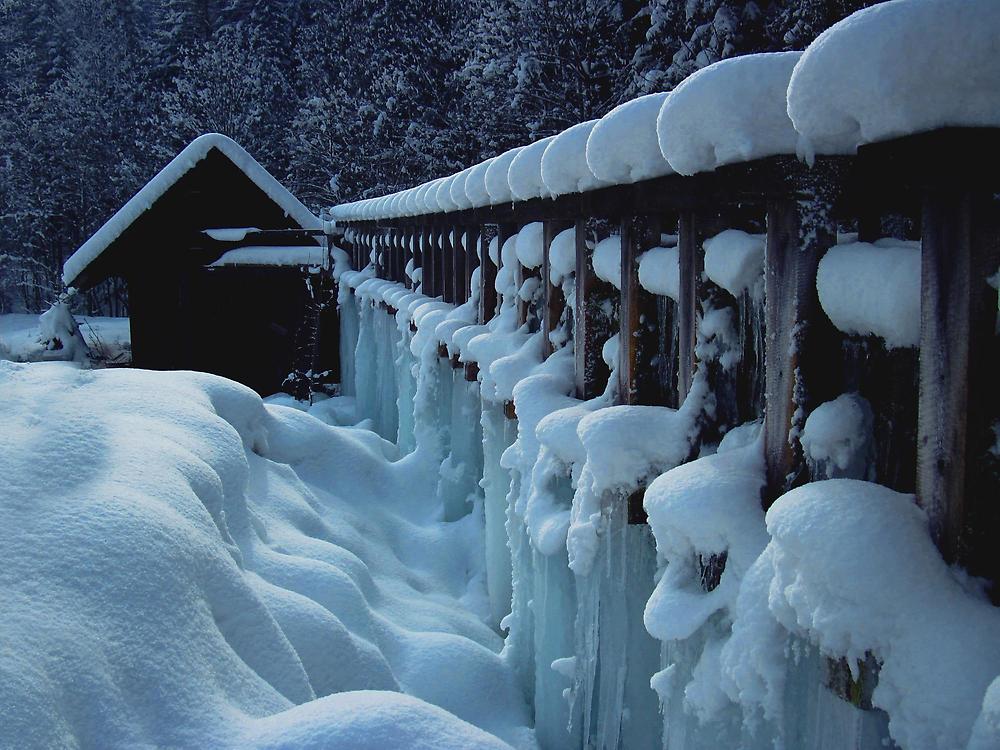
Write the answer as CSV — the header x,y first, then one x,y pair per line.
x,y
803,241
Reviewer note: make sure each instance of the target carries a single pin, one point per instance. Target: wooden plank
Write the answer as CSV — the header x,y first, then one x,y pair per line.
x,y
488,274
958,479
459,294
446,269
471,257
638,332
592,327
802,352
430,256
690,262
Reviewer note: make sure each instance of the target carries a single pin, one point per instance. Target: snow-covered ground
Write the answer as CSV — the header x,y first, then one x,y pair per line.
x,y
185,566
108,338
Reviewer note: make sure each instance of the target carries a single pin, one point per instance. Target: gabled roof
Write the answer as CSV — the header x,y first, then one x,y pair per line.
x,y
181,164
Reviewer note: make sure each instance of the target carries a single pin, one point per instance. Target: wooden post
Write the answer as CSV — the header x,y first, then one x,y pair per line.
x,y
471,260
958,477
690,260
592,327
488,274
802,353
446,268
638,334
431,259
554,302
458,252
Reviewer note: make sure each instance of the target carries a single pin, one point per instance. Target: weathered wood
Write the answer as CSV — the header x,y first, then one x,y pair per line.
x,y
690,262
446,269
958,478
430,258
471,258
637,317
592,325
460,293
488,274
505,231
802,355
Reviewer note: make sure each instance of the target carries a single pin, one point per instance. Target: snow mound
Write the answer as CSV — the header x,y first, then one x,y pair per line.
x,y
898,68
623,146
564,164
607,260
731,111
525,174
735,261
306,255
854,569
497,177
873,289
192,563
659,272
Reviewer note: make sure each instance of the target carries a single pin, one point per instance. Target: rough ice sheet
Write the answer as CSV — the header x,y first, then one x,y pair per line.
x,y
623,146
731,111
180,165
735,261
898,68
564,164
873,289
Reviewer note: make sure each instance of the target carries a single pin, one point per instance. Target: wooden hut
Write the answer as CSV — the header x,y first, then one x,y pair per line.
x,y
226,269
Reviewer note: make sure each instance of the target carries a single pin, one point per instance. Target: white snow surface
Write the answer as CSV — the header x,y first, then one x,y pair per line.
x,y
623,147
525,173
735,261
853,568
660,273
195,568
497,183
562,255
530,245
607,260
564,163
230,234
873,289
180,165
305,255
731,111
898,68
21,337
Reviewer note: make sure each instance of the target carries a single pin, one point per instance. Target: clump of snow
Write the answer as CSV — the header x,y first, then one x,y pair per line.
x,y
497,184
898,68
564,163
986,730
623,145
525,173
735,261
180,165
659,272
873,289
607,260
837,438
854,569
59,336
230,234
208,562
475,185
306,255
731,111
562,255
531,245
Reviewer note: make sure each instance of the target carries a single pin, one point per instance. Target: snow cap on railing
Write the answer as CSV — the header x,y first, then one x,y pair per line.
x,y
890,70
898,68
729,112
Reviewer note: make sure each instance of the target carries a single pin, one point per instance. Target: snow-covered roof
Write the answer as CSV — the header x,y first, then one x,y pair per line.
x,y
181,164
267,255
897,68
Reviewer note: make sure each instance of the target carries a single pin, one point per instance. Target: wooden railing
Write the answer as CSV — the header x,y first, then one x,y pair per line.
x,y
935,408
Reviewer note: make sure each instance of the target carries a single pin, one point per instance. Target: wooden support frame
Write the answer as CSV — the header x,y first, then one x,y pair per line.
x,y
553,301
488,272
592,328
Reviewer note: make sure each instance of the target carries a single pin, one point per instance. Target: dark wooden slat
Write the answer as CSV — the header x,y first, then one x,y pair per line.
x,y
488,275
592,328
638,316
554,302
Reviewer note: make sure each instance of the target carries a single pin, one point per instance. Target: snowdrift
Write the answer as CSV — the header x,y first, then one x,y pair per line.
x,y
184,566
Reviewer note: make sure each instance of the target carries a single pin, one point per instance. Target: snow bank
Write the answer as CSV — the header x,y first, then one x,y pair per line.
x,y
731,111
854,569
623,146
207,562
659,272
898,68
735,261
564,164
306,255
181,164
873,289
525,174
